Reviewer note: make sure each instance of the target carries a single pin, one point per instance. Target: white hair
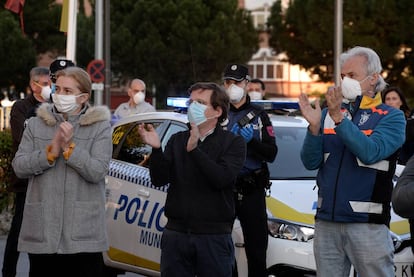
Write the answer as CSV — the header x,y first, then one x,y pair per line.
x,y
373,64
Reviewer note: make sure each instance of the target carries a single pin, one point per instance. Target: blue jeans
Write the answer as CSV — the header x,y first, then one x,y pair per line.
x,y
368,247
186,254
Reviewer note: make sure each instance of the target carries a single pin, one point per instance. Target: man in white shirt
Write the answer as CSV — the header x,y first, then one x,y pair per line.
x,y
136,103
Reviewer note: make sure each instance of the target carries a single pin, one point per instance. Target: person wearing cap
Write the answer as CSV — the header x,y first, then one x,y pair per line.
x,y
252,123
256,89
65,153
21,111
57,65
136,103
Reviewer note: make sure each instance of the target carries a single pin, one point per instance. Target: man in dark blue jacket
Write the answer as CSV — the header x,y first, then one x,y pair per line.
x,y
354,143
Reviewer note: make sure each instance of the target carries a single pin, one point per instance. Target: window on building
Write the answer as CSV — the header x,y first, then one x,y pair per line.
x,y
260,21
270,71
279,71
259,71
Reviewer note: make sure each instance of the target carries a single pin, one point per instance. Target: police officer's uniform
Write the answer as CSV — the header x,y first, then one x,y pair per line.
x,y
253,180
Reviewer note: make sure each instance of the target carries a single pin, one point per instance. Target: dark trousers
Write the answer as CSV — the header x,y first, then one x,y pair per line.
x,y
66,265
201,255
251,211
11,255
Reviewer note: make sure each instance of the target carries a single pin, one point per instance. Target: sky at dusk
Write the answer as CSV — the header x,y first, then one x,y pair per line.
x,y
252,4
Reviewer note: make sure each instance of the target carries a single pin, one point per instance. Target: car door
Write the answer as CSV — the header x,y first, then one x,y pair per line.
x,y
135,208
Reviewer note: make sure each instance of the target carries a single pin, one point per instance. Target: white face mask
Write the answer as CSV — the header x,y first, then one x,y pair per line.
x,y
139,97
65,103
255,95
46,91
235,93
351,88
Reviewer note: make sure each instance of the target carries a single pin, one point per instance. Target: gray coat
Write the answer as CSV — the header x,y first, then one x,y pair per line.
x,y
403,193
65,203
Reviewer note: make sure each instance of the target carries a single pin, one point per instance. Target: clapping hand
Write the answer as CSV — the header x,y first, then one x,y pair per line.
x,y
66,133
194,137
235,129
62,139
334,102
247,133
312,114
149,135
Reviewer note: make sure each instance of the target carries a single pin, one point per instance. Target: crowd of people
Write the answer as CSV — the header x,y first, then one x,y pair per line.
x,y
354,141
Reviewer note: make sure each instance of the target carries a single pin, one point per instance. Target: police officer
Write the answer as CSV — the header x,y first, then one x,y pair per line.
x,y
253,124
59,64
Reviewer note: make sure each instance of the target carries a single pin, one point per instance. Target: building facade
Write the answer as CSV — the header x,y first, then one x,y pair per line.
x,y
282,79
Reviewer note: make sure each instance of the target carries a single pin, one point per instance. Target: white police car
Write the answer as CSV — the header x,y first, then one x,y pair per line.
x,y
135,208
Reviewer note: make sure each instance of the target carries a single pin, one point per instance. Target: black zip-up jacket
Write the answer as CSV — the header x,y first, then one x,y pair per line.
x,y
200,197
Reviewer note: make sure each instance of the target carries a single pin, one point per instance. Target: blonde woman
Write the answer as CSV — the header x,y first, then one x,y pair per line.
x,y
65,153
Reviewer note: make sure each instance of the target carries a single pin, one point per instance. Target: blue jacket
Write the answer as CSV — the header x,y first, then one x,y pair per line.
x,y
356,161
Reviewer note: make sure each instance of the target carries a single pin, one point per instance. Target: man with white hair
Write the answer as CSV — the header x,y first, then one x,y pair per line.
x,y
354,143
136,103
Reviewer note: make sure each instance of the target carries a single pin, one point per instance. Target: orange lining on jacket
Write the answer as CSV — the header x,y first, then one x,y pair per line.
x,y
380,111
331,131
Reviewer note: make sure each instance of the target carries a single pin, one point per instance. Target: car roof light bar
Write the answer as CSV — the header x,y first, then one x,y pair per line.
x,y
277,105
177,102
181,103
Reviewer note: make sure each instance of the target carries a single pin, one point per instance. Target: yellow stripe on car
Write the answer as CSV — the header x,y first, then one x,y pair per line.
x,y
283,211
127,258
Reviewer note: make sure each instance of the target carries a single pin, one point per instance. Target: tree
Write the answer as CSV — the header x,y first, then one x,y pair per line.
x,y
305,33
17,54
18,50
174,43
85,45
168,43
43,21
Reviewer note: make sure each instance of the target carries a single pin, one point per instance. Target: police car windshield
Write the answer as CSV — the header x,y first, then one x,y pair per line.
x,y
288,164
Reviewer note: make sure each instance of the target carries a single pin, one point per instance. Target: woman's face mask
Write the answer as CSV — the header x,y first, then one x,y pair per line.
x,y
235,93
65,103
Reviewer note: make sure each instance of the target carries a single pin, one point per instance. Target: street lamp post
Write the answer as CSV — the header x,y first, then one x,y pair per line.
x,y
338,40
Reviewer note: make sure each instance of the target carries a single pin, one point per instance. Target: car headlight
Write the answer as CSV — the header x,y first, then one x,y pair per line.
x,y
288,230
400,241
